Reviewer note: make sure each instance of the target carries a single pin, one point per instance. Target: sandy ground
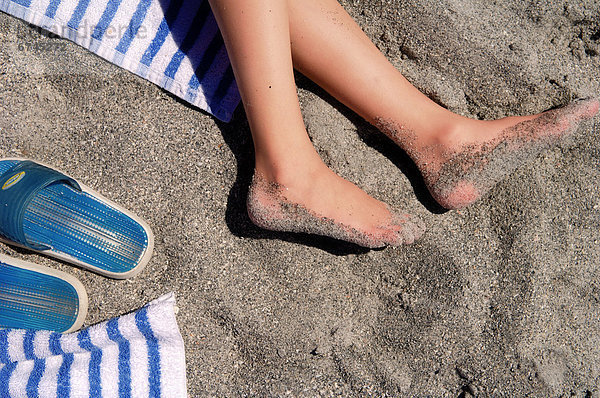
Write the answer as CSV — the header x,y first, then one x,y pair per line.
x,y
500,299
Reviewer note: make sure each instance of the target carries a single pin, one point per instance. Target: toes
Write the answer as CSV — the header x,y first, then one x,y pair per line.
x,y
419,227
406,229
414,229
408,236
587,108
572,114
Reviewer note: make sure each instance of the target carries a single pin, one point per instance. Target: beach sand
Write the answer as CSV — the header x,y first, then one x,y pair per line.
x,y
499,299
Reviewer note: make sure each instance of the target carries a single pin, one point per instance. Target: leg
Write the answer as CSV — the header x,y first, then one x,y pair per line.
x,y
460,158
292,188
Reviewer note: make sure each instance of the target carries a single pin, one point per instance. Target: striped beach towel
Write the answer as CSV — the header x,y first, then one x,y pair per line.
x,y
175,44
136,355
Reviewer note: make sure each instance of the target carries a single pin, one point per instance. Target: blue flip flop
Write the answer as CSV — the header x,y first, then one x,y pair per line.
x,y
40,298
46,211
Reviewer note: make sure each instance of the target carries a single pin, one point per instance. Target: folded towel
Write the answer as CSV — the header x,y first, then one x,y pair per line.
x,y
136,355
175,44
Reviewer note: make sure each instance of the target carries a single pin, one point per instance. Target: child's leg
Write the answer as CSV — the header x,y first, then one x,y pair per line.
x,y
460,158
292,189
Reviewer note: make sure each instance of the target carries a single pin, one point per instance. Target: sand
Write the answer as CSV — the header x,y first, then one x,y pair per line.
x,y
499,299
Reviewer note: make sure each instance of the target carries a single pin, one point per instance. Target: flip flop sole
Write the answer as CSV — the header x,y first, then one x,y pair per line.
x,y
39,298
85,228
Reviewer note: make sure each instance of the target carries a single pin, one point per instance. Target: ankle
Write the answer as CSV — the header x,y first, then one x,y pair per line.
x,y
433,147
290,172
452,134
439,131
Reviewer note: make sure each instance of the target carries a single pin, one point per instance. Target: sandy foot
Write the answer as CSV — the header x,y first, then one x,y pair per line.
x,y
471,161
473,170
342,211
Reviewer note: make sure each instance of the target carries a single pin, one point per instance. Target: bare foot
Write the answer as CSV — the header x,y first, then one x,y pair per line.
x,y
323,203
470,160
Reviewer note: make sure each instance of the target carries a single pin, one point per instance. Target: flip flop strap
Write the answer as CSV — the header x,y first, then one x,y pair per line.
x,y
18,186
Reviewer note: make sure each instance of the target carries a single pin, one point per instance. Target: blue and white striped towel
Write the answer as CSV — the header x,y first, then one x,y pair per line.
x,y
175,44
136,355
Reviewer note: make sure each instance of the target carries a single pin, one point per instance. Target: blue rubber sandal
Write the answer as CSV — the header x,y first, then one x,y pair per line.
x,y
40,298
46,211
